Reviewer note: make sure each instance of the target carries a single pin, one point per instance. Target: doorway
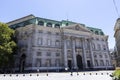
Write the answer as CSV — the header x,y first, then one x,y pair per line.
x,y
70,64
22,63
79,62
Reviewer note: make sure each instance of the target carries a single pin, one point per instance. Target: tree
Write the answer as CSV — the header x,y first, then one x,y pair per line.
x,y
7,46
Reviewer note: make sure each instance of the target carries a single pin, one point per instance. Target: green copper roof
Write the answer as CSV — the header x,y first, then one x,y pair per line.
x,y
52,23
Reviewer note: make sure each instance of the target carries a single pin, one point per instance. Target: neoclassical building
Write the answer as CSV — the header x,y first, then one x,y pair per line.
x,y
55,45
117,40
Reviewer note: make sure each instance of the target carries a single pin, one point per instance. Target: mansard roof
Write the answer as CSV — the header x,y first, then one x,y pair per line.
x,y
31,19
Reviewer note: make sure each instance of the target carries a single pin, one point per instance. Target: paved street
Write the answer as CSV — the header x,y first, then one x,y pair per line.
x,y
89,75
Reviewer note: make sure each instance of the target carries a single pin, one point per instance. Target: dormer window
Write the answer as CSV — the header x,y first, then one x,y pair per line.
x,y
57,26
41,23
49,25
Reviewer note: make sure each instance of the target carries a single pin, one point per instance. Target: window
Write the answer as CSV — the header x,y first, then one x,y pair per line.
x,y
100,56
68,43
41,23
49,25
95,56
97,38
106,56
93,45
104,47
57,54
57,26
96,32
48,32
57,42
57,33
48,54
57,62
39,53
107,63
92,30
48,62
66,24
48,42
101,33
96,63
39,41
38,63
99,47
101,63
40,31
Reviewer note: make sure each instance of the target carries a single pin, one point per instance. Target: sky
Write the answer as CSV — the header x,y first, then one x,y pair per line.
x,y
94,13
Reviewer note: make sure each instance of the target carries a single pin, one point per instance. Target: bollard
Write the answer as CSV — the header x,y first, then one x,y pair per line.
x,y
90,73
30,74
107,73
96,73
17,75
47,74
4,75
37,74
101,73
77,73
71,74
10,75
23,74
84,74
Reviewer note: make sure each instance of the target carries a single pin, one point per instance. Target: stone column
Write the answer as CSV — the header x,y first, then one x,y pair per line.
x,y
74,54
92,57
65,55
84,54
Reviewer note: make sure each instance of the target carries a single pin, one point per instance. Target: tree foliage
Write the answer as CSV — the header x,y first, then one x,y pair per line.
x,y
7,45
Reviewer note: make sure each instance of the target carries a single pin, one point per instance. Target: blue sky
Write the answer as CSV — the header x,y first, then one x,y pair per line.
x,y
94,13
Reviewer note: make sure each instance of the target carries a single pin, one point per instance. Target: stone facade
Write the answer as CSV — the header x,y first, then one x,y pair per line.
x,y
117,39
71,46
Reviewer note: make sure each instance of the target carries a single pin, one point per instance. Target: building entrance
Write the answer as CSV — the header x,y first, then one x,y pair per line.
x,y
22,62
70,64
79,62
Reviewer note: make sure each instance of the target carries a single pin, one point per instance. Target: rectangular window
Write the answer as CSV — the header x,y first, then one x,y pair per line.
x,y
48,62
49,42
39,53
39,41
99,47
57,54
38,62
96,63
48,54
57,43
40,31
101,63
57,62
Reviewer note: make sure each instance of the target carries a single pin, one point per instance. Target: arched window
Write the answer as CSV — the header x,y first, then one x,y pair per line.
x,y
41,23
57,26
49,25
